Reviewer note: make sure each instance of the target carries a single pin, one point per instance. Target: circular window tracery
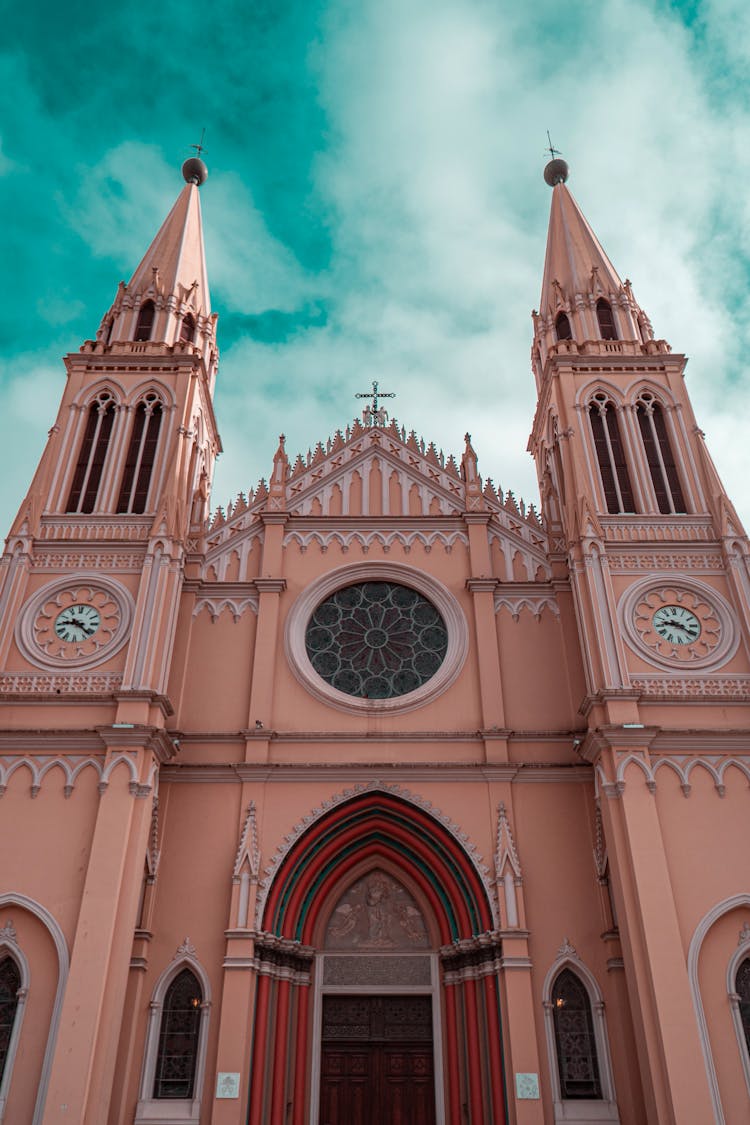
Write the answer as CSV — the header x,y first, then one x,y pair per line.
x,y
376,640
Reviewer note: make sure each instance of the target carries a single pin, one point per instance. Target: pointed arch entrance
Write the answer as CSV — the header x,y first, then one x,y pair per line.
x,y
377,899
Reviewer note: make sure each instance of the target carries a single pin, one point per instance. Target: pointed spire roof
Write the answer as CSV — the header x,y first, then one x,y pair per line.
x,y
575,261
177,253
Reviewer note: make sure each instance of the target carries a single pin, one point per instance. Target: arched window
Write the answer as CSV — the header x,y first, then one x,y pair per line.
x,y
139,463
742,988
10,983
659,455
93,452
575,1042
562,327
187,328
610,454
145,322
178,1038
606,319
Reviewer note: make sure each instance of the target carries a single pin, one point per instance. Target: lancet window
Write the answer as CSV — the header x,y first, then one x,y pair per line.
x,y
610,454
139,463
575,1041
606,319
178,1038
742,988
562,327
92,455
661,462
10,983
187,328
145,323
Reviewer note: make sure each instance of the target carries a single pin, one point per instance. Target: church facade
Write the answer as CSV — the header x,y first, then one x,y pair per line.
x,y
377,797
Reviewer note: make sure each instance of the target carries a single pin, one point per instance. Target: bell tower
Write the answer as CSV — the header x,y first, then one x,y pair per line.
x,y
657,559
130,457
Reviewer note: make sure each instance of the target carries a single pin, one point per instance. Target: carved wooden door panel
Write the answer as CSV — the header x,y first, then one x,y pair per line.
x,y
377,1061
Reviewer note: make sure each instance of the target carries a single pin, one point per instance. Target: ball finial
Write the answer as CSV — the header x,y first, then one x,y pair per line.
x,y
194,171
556,172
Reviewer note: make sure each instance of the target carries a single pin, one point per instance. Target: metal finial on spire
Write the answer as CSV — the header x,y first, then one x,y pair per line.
x,y
194,170
374,414
556,171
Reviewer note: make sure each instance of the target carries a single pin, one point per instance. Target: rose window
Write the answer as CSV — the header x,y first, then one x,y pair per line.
x,y
376,640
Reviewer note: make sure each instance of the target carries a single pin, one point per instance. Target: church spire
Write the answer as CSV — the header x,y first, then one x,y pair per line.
x,y
585,307
167,300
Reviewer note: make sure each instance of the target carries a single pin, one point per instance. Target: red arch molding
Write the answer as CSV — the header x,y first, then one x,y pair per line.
x,y
377,825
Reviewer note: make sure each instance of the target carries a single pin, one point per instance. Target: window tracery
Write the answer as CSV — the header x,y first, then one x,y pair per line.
x,y
141,456
178,1038
610,454
90,466
575,1041
10,984
742,989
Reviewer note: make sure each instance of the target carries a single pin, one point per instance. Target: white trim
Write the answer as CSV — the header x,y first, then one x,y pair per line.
x,y
9,947
172,1111
327,584
575,1111
63,961
705,924
741,953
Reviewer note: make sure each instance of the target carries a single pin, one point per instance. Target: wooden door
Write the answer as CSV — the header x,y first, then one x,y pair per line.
x,y
377,1061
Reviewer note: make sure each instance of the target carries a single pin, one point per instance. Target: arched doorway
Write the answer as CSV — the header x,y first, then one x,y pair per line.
x,y
377,997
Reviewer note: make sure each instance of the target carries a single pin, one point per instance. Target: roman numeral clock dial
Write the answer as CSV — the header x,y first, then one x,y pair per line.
x,y
69,624
77,623
676,624
679,625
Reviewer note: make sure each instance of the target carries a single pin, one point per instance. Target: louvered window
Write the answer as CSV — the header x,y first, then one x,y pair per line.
x,y
139,464
606,320
90,466
610,454
562,327
661,462
145,323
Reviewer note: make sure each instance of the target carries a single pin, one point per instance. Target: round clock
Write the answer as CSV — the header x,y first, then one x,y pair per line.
x,y
75,624
679,624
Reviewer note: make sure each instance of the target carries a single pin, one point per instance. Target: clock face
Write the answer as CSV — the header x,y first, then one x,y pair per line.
x,y
676,624
77,623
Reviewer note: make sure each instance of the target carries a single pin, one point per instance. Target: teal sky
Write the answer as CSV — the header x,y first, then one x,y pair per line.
x,y
375,207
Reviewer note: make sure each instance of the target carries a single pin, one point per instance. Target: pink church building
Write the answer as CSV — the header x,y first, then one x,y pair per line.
x,y
376,798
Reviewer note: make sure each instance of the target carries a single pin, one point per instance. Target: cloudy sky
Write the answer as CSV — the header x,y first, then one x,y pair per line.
x,y
375,207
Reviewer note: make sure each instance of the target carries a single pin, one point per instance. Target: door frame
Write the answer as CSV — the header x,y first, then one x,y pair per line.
x,y
432,989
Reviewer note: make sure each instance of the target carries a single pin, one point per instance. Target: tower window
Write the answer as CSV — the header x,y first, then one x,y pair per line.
x,y
145,322
88,473
187,328
610,454
742,988
575,1042
562,327
606,320
659,455
178,1038
139,463
10,983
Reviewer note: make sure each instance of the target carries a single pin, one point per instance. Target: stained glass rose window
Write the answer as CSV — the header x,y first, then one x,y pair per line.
x,y
376,640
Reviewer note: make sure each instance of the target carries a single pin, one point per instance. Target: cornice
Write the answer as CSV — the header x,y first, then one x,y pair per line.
x,y
47,741
425,772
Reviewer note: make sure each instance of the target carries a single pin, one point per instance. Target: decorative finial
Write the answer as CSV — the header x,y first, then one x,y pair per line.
x,y
194,170
374,414
557,171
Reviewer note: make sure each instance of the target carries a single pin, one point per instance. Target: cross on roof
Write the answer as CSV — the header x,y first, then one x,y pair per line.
x,y
374,414
551,150
199,148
